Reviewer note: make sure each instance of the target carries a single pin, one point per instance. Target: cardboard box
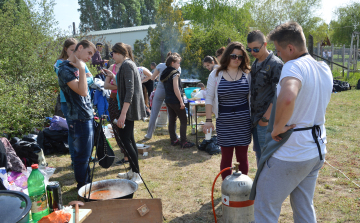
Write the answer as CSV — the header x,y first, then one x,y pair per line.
x,y
143,148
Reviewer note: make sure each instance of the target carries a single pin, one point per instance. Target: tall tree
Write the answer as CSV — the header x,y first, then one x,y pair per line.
x,y
268,14
110,14
347,21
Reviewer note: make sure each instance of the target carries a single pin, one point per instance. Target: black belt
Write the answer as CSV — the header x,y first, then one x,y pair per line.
x,y
316,132
228,109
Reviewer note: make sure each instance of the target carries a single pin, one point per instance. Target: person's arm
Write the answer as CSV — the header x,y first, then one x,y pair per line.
x,y
177,91
109,77
155,74
80,85
128,73
210,94
147,73
285,104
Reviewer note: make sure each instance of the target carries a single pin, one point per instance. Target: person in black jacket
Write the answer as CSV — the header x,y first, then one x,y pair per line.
x,y
174,102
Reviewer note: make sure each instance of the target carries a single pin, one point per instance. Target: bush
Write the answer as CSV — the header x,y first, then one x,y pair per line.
x,y
29,48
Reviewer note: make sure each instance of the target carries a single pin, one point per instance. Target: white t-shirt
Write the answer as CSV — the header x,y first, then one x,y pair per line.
x,y
329,53
310,107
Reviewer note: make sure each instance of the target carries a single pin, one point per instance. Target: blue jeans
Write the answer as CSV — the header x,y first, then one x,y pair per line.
x,y
64,109
259,140
82,135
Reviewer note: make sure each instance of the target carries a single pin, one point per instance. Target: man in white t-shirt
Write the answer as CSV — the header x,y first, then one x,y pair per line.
x,y
303,94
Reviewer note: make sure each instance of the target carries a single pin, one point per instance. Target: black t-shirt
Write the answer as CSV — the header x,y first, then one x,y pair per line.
x,y
79,107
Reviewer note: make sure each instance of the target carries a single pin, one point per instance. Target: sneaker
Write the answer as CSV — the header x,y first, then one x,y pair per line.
x,y
175,143
121,162
127,175
136,178
146,138
187,145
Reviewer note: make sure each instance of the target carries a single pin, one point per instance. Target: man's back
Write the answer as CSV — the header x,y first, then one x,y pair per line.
x,y
310,107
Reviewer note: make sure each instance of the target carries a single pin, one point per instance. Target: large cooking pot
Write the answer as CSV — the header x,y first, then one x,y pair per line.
x,y
15,206
109,189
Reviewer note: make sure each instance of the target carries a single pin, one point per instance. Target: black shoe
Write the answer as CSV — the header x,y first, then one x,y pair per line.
x,y
187,145
121,162
175,143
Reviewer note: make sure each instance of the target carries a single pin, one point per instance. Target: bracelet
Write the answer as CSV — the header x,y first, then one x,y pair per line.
x,y
208,120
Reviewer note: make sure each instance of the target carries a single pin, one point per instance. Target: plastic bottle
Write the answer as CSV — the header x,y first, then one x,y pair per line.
x,y
37,194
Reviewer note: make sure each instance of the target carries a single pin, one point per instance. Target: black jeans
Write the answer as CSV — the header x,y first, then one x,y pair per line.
x,y
127,137
175,111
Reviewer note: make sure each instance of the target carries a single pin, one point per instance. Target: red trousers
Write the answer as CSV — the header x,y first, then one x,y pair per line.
x,y
241,157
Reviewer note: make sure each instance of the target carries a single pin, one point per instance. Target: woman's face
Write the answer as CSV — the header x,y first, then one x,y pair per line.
x,y
236,62
208,65
118,57
70,50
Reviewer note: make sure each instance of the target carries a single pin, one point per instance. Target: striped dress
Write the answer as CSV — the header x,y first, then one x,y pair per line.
x,y
233,125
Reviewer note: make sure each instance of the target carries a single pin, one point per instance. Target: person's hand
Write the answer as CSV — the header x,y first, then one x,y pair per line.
x,y
182,105
275,133
79,64
109,73
121,121
207,126
261,123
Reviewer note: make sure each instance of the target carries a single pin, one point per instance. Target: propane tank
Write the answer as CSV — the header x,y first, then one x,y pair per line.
x,y
235,192
162,117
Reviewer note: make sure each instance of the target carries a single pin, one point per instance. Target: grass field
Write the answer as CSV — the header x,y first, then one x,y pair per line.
x,y
183,178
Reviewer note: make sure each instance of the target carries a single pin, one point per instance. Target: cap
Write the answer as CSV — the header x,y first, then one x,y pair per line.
x,y
35,166
99,44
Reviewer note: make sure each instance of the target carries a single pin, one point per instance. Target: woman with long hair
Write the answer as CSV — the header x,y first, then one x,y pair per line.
x,y
228,91
131,106
210,62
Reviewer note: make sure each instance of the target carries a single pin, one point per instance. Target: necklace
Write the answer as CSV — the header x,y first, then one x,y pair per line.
x,y
235,77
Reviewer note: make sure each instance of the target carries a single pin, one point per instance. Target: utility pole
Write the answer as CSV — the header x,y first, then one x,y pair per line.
x,y
73,29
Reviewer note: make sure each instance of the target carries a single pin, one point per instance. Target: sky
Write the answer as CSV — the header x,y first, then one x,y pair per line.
x,y
66,12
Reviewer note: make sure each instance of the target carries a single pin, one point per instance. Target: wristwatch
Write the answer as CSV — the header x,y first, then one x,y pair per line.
x,y
264,119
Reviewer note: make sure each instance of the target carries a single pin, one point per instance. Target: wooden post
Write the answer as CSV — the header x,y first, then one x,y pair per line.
x,y
318,49
356,51
332,56
311,45
343,55
350,57
73,28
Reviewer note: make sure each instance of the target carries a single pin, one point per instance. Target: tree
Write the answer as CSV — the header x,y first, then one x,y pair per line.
x,y
111,14
268,14
347,21
29,48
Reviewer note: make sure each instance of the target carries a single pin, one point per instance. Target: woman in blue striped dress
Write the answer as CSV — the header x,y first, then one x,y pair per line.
x,y
228,91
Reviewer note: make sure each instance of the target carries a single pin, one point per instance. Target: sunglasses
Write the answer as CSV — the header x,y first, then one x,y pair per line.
x,y
256,50
234,56
112,54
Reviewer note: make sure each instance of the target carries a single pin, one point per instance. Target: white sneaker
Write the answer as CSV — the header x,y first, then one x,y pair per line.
x,y
129,175
136,178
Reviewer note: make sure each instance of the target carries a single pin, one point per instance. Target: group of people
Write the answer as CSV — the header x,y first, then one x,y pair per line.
x,y
281,104
327,55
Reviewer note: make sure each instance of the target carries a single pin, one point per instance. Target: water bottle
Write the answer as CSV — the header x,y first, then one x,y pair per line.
x,y
185,99
115,122
37,194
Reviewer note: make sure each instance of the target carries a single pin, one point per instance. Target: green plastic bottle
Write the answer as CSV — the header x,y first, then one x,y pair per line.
x,y
37,194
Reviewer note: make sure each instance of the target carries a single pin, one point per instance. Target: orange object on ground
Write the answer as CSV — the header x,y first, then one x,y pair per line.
x,y
56,217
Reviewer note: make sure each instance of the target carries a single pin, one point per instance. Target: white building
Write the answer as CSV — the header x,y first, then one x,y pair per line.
x,y
126,35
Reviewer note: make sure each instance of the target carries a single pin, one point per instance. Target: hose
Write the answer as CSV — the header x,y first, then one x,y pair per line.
x,y
212,190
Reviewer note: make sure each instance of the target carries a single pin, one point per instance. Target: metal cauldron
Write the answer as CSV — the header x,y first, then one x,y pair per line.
x,y
109,189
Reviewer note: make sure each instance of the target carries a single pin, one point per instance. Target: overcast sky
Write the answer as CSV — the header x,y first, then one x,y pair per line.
x,y
66,12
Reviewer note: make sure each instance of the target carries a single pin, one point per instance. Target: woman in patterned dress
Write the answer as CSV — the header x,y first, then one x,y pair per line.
x,y
228,91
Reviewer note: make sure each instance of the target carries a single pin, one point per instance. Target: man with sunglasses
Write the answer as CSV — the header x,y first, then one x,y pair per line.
x,y
265,74
96,59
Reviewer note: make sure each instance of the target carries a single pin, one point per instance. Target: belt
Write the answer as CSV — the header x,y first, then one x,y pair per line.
x,y
113,95
228,109
316,132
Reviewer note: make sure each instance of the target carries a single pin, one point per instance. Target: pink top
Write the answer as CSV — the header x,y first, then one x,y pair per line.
x,y
112,81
